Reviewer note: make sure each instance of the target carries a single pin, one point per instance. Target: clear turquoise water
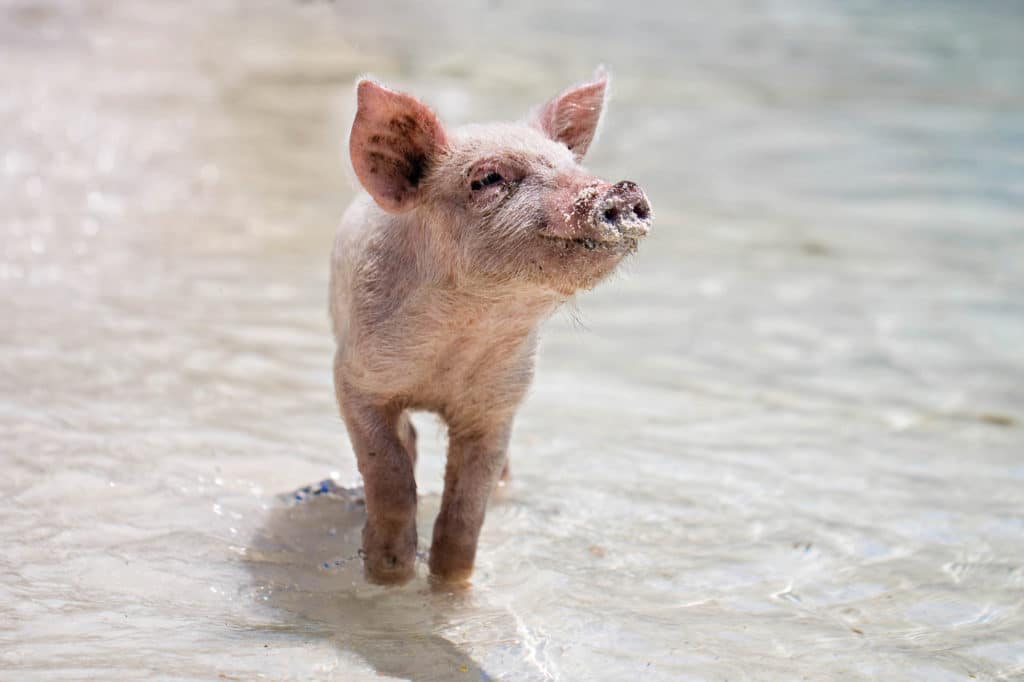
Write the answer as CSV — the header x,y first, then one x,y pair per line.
x,y
786,444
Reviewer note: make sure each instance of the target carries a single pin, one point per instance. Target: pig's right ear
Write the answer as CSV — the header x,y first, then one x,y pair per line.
x,y
572,118
395,139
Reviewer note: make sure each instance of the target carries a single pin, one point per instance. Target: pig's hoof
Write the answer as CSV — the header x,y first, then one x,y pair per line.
x,y
387,568
398,575
389,555
449,585
453,579
451,567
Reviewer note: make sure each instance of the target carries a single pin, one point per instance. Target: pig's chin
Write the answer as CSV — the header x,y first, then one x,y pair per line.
x,y
573,264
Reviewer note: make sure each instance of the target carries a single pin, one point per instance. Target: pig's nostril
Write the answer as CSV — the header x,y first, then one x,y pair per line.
x,y
622,211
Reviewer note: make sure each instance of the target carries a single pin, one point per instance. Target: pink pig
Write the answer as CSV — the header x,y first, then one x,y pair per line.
x,y
440,277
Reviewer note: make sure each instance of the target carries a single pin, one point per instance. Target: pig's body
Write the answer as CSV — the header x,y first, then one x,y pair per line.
x,y
409,329
438,284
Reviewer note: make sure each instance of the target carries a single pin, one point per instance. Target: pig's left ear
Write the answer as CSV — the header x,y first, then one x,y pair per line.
x,y
395,139
572,117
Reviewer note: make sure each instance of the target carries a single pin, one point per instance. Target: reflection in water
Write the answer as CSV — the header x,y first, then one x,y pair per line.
x,y
304,562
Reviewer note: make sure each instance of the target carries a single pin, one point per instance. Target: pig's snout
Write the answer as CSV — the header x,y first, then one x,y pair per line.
x,y
623,211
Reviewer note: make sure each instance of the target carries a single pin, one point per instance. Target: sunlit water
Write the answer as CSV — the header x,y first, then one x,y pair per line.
x,y
786,444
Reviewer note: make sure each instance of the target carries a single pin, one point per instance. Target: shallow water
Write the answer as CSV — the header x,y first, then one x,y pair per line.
x,y
787,443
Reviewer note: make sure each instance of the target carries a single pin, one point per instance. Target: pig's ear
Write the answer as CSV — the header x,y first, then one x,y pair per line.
x,y
572,117
395,139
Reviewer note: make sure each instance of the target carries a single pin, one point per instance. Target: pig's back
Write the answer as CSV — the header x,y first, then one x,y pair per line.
x,y
355,230
374,268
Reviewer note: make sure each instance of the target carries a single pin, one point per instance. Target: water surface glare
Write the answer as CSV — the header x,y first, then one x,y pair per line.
x,y
787,444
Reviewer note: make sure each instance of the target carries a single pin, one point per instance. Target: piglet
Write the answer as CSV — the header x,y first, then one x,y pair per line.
x,y
464,242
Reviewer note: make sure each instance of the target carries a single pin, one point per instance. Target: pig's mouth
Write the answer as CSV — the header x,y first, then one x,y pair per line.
x,y
628,244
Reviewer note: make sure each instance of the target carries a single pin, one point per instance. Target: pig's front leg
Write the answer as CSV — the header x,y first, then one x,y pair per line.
x,y
389,537
475,461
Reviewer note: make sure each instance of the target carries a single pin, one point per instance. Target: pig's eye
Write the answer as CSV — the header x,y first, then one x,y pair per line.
x,y
491,178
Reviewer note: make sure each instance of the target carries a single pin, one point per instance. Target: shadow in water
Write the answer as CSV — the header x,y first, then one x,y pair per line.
x,y
304,563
